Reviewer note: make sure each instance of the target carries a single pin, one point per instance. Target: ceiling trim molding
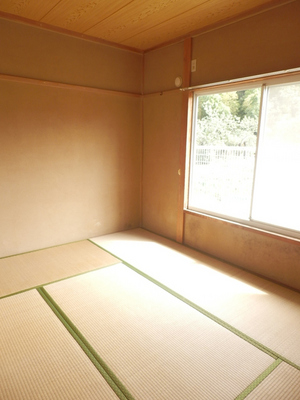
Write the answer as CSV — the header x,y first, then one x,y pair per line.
x,y
42,25
271,4
225,22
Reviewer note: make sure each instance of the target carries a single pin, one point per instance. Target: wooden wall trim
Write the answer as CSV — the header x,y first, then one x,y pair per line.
x,y
169,91
183,136
69,86
142,142
273,235
63,31
220,24
142,162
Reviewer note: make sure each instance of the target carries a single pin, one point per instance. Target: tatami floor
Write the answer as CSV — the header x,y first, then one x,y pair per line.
x,y
132,315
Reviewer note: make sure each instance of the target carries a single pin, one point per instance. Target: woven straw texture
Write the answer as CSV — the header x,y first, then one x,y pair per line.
x,y
265,311
29,270
40,359
159,347
282,383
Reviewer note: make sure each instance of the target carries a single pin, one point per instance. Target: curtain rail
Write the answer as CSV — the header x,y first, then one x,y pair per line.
x,y
250,79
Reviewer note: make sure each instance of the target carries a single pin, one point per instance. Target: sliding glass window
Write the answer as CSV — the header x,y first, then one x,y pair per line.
x,y
245,154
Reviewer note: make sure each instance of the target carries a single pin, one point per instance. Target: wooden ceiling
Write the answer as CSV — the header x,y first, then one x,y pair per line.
x,y
138,24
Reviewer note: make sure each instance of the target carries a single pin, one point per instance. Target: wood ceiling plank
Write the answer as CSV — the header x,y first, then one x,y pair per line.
x,y
30,9
80,15
206,15
139,24
139,16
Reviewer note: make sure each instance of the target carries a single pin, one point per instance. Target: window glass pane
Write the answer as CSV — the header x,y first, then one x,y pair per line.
x,y
277,184
223,152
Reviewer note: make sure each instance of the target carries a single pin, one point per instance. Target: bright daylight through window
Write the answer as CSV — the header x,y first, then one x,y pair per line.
x,y
245,154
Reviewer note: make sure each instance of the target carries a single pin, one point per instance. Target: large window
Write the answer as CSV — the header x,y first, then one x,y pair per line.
x,y
245,154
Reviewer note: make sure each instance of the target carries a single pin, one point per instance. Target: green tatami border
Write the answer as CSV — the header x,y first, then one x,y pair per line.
x,y
58,280
113,381
43,248
214,318
259,380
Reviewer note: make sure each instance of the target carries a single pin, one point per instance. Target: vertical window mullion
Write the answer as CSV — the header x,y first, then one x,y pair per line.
x,y
192,150
260,130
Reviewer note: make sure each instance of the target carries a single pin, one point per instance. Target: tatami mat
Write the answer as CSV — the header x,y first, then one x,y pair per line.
x,y
267,312
28,270
282,383
40,359
158,346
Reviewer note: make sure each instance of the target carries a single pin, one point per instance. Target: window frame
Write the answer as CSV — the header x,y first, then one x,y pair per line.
x,y
262,81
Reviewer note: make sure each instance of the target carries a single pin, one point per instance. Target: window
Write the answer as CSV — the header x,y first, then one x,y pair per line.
x,y
245,154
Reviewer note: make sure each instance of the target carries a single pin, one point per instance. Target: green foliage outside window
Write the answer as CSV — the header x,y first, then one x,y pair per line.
x,y
228,118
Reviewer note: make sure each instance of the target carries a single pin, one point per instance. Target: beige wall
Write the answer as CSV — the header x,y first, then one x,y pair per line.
x,y
264,43
70,160
161,67
161,144
162,119
255,251
37,53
